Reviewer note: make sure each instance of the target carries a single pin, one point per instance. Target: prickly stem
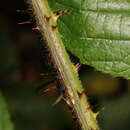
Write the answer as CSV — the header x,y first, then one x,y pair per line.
x,y
65,69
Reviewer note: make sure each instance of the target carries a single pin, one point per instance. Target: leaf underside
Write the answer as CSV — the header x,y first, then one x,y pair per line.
x,y
97,32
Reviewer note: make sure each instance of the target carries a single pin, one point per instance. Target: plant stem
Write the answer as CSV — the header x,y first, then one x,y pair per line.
x,y
74,92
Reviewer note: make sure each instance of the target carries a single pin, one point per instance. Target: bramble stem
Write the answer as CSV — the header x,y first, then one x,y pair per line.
x,y
74,92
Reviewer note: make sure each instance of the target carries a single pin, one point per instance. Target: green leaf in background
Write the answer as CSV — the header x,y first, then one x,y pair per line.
x,y
5,123
97,32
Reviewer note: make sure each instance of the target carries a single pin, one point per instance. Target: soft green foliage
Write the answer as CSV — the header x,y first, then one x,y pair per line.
x,y
97,32
115,115
5,123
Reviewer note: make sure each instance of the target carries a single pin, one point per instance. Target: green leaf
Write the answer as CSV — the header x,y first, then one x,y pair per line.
x,y
5,123
97,32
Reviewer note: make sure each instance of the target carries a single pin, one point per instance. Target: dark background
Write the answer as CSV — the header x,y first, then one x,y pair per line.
x,y
23,59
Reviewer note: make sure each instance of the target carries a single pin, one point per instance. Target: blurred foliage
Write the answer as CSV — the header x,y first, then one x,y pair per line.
x,y
116,113
32,112
5,123
20,67
99,84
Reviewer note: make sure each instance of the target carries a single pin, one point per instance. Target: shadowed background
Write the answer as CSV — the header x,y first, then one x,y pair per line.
x,y
23,59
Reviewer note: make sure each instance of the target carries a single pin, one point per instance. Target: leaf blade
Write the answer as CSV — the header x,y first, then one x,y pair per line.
x,y
98,33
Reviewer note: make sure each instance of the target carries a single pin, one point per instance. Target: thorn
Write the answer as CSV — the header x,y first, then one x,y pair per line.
x,y
50,89
88,108
81,95
54,28
97,113
47,19
58,100
69,91
25,22
82,98
68,102
60,13
73,101
77,67
46,87
44,74
36,28
48,74
22,11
